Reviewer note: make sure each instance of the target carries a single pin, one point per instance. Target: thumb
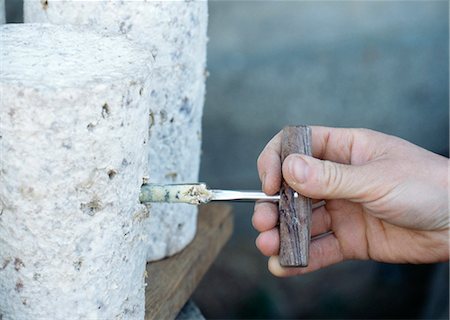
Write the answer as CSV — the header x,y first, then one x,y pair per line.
x,y
322,179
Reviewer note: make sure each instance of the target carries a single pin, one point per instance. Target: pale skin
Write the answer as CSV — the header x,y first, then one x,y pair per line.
x,y
386,199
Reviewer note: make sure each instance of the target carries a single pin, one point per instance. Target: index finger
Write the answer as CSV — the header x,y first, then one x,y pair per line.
x,y
269,165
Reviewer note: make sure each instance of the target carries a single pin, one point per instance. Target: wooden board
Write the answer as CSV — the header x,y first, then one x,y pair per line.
x,y
172,281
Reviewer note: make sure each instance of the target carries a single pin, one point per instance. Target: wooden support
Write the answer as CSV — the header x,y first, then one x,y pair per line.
x,y
295,209
172,281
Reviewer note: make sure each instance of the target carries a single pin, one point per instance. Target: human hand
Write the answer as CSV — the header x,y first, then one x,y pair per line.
x,y
386,199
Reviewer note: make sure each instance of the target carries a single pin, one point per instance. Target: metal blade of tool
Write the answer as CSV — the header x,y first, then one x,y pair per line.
x,y
241,195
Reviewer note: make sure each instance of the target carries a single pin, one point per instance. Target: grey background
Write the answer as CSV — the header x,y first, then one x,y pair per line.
x,y
379,65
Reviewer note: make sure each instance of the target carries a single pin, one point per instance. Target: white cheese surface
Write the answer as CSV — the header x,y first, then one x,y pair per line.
x,y
173,36
74,149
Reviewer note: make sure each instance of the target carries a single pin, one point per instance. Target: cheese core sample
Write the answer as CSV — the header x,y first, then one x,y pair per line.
x,y
176,193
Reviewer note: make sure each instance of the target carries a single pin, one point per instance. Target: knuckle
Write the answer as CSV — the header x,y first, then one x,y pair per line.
x,y
364,132
364,136
326,221
332,177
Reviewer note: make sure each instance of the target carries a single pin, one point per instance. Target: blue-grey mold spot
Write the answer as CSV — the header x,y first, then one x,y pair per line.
x,y
5,264
18,264
105,111
44,4
186,107
77,264
91,207
19,285
90,127
111,174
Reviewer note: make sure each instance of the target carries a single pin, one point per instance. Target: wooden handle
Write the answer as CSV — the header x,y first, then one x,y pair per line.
x,y
295,210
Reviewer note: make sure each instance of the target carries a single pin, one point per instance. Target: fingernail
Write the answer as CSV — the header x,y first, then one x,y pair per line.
x,y
298,169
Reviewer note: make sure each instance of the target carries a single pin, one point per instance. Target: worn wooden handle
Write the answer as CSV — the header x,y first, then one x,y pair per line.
x,y
295,210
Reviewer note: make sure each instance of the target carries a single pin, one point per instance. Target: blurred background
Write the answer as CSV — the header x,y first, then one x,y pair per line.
x,y
382,65
376,64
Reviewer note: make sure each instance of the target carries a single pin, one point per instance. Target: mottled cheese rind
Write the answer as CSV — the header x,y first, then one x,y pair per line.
x,y
173,34
74,135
